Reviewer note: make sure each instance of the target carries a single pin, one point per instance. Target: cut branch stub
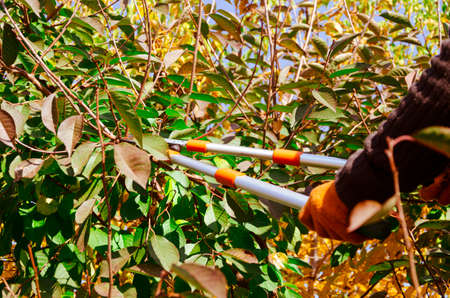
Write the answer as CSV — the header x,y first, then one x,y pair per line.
x,y
133,162
7,129
70,131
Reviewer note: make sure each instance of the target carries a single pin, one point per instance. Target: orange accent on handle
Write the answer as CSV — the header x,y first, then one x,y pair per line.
x,y
227,176
286,157
196,145
172,152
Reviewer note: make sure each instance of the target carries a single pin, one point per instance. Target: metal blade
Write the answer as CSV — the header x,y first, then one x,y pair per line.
x,y
175,142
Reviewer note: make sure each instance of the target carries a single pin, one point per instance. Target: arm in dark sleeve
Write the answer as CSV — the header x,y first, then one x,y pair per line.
x,y
367,174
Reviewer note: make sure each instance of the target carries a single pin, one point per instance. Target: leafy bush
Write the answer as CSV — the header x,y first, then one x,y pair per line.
x,y
89,203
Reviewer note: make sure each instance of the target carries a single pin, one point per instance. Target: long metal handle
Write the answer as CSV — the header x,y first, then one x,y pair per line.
x,y
280,156
236,179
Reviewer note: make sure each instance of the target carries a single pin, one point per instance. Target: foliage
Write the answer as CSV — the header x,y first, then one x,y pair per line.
x,y
89,203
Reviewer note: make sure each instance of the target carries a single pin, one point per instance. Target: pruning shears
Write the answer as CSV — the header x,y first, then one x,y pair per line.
x,y
236,179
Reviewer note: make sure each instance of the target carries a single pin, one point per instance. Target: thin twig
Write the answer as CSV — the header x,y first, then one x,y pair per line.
x,y
105,190
305,46
77,5
438,8
148,33
30,77
194,62
36,271
209,51
8,287
396,279
272,46
70,96
122,66
390,154
230,111
358,104
435,281
366,26
116,121
35,149
349,15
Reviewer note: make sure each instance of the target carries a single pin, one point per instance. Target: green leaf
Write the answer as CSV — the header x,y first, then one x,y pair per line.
x,y
435,137
179,177
373,26
221,81
342,253
320,45
292,46
204,97
299,85
343,72
215,217
279,175
128,114
241,254
386,80
299,262
379,275
12,166
435,224
340,44
92,163
387,265
397,18
46,206
204,278
163,251
226,25
156,146
286,109
325,98
133,162
147,114
94,4
81,156
10,45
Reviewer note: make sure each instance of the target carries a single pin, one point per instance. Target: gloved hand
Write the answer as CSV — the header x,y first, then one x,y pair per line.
x,y
326,214
439,190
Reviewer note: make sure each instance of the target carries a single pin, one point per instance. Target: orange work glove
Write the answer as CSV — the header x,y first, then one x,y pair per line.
x,y
439,190
326,214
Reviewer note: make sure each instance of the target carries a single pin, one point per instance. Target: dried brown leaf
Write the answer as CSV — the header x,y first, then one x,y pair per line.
x,y
28,168
70,131
7,129
133,163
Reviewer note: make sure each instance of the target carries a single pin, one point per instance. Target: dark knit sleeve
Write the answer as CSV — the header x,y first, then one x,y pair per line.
x,y
367,174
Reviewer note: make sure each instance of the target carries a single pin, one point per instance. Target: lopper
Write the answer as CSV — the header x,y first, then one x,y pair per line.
x,y
279,156
236,179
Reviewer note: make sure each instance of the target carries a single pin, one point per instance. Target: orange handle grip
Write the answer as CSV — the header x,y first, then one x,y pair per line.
x,y
196,145
286,157
227,176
